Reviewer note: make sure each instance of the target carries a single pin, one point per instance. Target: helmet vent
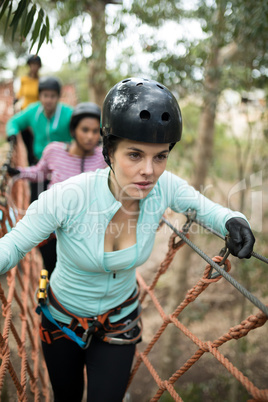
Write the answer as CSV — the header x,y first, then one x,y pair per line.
x,y
126,81
159,86
145,115
139,84
165,116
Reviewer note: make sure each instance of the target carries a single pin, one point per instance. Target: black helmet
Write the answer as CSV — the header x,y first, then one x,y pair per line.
x,y
142,110
84,109
33,58
51,83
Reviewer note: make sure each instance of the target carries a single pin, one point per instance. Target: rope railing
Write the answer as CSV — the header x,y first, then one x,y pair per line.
x,y
19,335
237,332
22,369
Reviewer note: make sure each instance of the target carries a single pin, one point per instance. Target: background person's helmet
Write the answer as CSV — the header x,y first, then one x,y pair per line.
x,y
33,58
49,83
82,110
142,110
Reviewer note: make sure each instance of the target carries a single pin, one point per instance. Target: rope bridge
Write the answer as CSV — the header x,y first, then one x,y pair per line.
x,y
22,368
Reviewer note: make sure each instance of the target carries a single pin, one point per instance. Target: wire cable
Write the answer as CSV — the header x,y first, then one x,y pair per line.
x,y
221,271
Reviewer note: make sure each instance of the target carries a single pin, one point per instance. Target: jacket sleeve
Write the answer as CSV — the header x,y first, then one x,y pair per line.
x,y
38,172
42,218
181,196
18,122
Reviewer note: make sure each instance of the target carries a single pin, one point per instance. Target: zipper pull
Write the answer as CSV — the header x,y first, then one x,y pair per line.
x,y
114,274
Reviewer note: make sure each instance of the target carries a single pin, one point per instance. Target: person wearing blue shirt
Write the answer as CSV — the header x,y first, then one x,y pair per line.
x,y
105,223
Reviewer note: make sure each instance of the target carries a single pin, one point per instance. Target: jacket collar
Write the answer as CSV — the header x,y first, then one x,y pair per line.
x,y
55,116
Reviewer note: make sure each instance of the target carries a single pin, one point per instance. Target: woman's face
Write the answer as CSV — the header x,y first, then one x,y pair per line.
x,y
136,167
34,68
87,134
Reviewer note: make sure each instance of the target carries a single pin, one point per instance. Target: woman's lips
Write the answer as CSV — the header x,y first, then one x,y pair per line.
x,y
144,185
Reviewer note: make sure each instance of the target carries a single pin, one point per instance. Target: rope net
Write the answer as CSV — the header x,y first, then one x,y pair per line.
x,y
23,371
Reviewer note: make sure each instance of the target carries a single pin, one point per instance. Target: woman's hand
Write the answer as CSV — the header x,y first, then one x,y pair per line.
x,y
10,170
241,239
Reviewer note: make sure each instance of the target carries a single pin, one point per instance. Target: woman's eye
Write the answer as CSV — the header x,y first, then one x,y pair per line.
x,y
161,157
134,155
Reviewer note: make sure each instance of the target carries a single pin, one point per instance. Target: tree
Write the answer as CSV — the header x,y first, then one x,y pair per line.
x,y
67,14
71,13
232,53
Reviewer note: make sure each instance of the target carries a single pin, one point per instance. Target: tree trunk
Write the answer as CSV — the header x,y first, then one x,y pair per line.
x,y
97,63
204,146
202,159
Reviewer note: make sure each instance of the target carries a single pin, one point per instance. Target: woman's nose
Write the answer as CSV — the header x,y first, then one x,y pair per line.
x,y
147,167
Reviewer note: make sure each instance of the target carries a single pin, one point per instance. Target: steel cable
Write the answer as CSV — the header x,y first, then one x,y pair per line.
x,y
253,254
221,271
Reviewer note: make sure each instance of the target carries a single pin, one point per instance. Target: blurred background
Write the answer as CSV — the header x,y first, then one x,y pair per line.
x,y
212,54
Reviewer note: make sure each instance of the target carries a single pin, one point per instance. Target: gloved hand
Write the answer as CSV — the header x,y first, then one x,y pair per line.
x,y
241,240
11,171
12,138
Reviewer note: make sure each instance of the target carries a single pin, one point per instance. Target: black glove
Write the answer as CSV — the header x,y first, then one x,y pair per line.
x,y
12,138
241,240
11,171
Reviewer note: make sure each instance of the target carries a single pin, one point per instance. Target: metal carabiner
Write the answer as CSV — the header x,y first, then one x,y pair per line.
x,y
191,215
87,336
224,252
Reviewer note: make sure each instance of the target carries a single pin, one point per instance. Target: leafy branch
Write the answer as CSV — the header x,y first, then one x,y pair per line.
x,y
23,19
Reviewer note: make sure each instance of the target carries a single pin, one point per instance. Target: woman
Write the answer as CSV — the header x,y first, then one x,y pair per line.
x,y
28,91
106,223
63,160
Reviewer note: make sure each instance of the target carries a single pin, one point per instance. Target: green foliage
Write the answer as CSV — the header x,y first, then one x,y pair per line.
x,y
77,74
156,12
21,20
237,29
181,157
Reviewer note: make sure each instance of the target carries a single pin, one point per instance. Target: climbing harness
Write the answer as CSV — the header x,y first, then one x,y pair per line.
x,y
46,241
99,325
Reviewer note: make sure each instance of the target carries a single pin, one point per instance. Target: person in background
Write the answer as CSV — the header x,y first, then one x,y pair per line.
x,y
48,119
106,222
61,161
28,93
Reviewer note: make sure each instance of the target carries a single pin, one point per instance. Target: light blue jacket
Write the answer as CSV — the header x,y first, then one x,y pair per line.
x,y
79,210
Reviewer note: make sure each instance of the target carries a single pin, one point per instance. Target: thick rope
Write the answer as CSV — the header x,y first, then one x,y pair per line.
x,y
19,299
241,330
